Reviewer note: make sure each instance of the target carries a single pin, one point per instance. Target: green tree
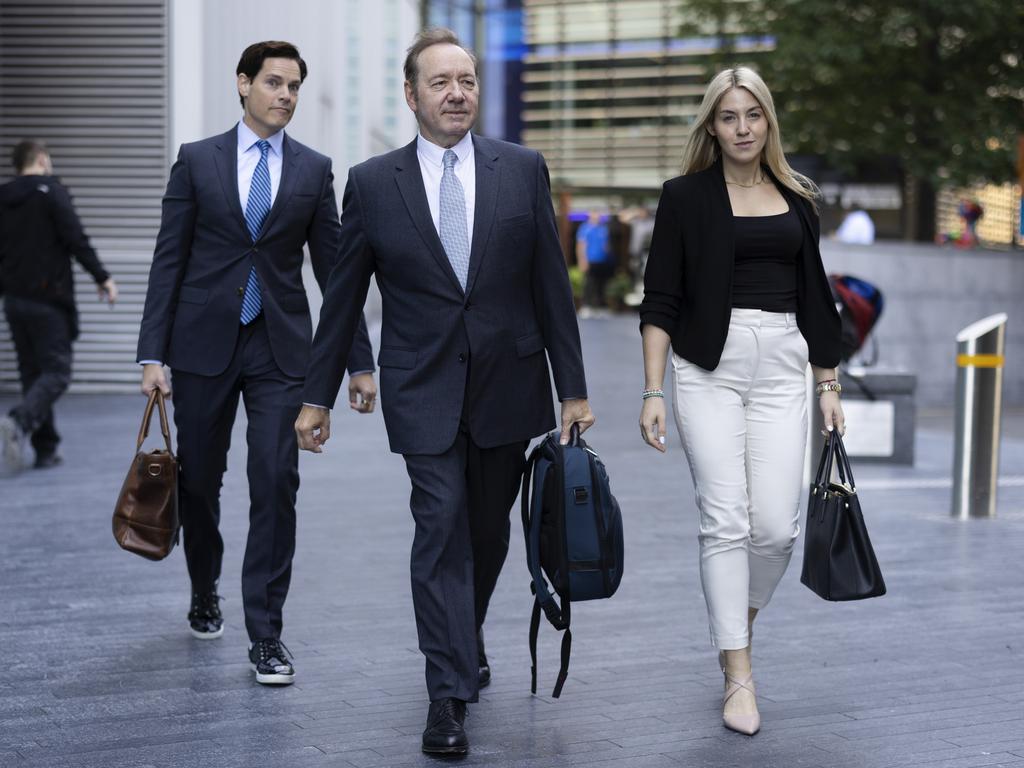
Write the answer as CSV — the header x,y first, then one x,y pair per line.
x,y
936,86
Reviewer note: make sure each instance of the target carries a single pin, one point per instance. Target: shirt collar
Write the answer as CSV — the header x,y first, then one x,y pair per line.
x,y
246,139
434,154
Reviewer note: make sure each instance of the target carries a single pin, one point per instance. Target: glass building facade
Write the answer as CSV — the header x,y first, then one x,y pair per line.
x,y
610,89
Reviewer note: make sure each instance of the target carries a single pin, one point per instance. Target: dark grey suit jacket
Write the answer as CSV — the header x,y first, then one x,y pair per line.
x,y
204,253
439,344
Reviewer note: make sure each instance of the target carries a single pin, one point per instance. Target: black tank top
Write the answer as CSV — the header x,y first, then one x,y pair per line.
x,y
764,275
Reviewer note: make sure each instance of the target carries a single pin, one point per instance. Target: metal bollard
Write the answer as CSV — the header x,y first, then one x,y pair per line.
x,y
980,356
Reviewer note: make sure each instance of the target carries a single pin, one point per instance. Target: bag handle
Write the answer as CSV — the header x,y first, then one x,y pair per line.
x,y
156,397
824,474
845,471
574,434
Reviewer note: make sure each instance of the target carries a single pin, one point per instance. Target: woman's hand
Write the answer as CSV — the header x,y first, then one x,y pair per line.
x,y
832,412
652,422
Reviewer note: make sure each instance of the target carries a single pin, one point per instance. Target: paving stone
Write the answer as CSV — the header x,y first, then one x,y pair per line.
x,y
103,674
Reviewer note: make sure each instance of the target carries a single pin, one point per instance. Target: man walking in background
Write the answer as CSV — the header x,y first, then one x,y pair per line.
x,y
227,311
39,235
460,232
595,257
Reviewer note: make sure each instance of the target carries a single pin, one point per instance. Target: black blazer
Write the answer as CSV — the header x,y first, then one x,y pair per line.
x,y
688,280
39,233
440,345
204,253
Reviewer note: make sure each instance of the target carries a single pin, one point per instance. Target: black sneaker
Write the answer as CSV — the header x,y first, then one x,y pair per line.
x,y
272,662
204,619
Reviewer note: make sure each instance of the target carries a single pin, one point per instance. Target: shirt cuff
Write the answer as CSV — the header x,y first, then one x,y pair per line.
x,y
359,373
150,362
315,405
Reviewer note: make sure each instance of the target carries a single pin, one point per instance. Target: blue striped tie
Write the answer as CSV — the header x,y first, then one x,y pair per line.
x,y
256,209
453,229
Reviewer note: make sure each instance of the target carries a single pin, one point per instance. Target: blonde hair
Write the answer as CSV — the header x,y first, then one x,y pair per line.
x,y
702,150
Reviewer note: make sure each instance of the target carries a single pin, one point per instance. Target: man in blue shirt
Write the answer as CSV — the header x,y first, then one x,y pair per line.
x,y
594,257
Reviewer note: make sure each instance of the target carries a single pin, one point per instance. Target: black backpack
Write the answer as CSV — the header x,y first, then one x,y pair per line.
x,y
573,530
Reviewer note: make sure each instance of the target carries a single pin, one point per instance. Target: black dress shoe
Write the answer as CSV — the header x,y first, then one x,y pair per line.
x,y
445,733
484,673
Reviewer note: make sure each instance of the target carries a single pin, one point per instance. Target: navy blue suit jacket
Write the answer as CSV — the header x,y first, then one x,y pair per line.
x,y
440,344
204,253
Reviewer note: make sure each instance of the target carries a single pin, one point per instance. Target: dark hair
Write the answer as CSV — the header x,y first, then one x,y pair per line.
x,y
26,152
423,40
253,57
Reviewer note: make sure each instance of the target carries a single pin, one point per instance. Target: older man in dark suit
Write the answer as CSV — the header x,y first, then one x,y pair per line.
x,y
460,232
227,311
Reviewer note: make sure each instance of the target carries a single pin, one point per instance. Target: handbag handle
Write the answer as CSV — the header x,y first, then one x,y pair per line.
x,y
845,471
824,473
155,397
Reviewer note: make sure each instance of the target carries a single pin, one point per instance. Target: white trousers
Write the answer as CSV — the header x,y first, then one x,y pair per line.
x,y
744,429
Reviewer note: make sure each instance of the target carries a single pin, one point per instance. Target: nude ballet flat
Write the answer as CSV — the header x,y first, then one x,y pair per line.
x,y
745,724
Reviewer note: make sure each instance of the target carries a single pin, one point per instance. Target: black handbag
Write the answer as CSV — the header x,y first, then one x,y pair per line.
x,y
839,562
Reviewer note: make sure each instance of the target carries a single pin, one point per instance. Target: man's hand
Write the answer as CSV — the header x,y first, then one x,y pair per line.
x,y
362,392
107,290
313,428
575,412
153,377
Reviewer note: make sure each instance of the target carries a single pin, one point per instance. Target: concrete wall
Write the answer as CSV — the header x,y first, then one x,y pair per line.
x,y
351,106
931,293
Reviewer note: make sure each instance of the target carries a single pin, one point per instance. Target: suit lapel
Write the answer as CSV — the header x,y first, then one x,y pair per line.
x,y
290,163
226,160
488,176
410,185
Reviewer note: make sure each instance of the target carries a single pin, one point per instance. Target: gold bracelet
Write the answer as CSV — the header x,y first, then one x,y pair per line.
x,y
828,386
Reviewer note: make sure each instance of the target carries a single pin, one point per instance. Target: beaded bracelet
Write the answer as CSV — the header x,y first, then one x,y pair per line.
x,y
648,393
831,385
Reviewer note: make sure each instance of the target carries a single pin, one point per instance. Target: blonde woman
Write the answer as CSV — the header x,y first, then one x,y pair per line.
x,y
735,286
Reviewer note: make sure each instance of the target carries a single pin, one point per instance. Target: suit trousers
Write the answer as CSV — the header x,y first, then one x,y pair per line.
x,y
204,413
460,503
744,430
42,341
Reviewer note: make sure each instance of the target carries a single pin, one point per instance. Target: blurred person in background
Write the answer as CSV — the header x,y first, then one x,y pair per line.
x,y
857,228
735,287
39,235
595,258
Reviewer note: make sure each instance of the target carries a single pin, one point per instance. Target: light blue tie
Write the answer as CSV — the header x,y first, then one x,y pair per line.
x,y
453,228
256,209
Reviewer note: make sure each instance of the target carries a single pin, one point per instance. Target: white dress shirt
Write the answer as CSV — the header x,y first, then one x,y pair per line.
x,y
431,159
249,156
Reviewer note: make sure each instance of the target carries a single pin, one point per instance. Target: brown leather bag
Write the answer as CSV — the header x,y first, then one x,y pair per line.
x,y
146,515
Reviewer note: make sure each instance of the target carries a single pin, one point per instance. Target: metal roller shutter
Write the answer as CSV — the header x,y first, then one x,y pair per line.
x,y
89,77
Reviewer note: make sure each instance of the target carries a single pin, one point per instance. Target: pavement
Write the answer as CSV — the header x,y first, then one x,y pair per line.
x,y
101,672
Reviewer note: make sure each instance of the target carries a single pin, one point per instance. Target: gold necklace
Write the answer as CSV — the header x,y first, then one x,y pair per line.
x,y
747,186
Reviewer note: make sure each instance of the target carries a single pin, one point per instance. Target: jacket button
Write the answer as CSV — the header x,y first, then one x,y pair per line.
x,y
241,290
462,358
467,306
